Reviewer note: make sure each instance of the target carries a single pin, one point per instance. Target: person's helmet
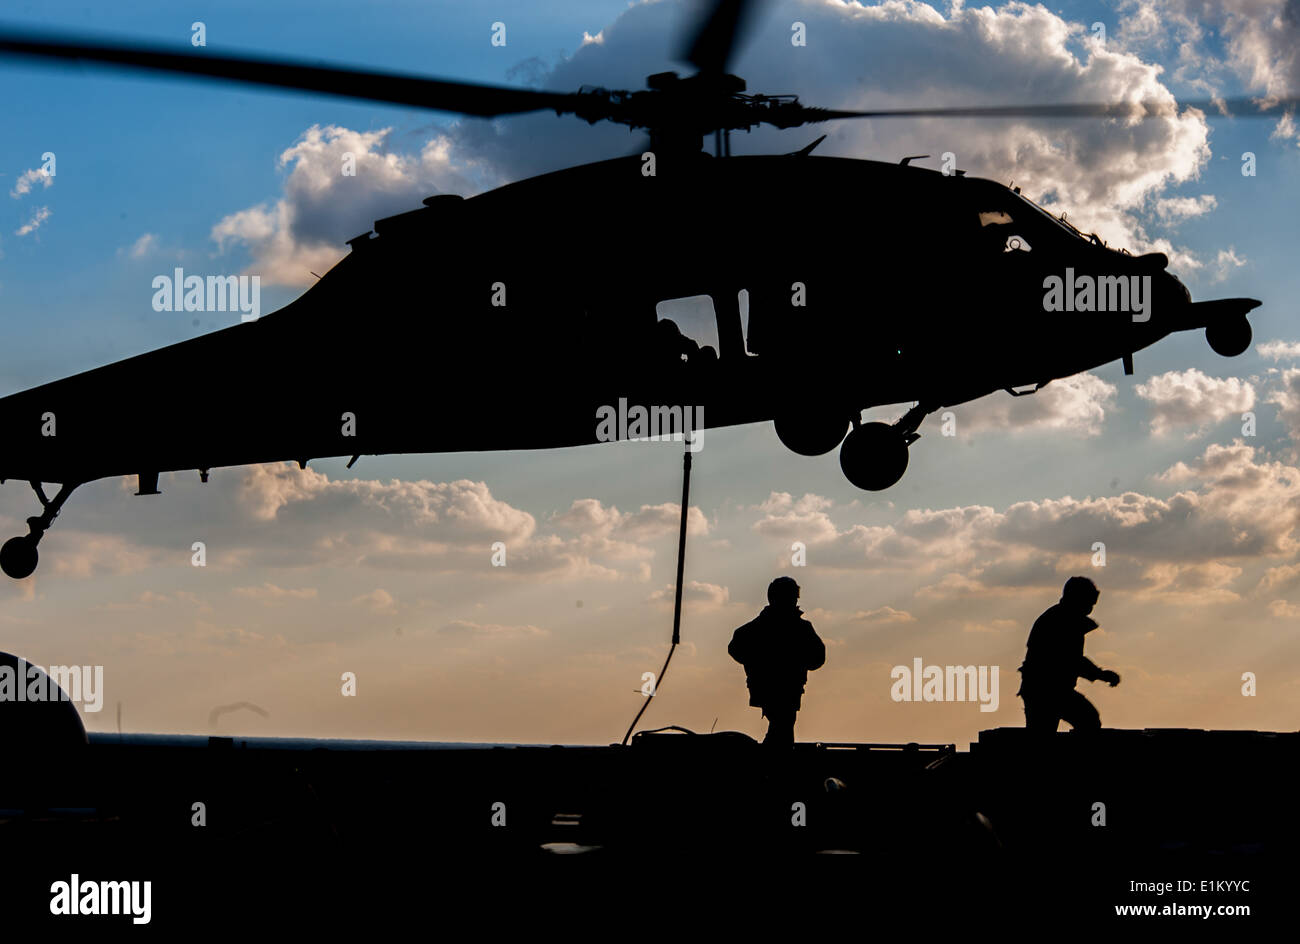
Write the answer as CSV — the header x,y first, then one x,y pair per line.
x,y
1081,590
783,591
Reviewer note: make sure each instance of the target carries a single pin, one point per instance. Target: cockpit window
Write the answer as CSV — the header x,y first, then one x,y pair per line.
x,y
997,224
1058,222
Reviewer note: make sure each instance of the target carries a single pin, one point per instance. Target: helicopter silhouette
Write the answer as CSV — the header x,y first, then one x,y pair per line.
x,y
850,303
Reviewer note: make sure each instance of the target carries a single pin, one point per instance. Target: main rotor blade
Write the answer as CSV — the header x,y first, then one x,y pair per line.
x,y
1238,107
715,38
464,97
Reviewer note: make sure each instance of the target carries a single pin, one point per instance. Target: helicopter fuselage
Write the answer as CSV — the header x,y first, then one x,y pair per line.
x,y
867,284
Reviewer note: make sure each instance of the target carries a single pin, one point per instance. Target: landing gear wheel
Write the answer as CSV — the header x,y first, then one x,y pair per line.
x,y
18,557
1229,337
874,456
811,432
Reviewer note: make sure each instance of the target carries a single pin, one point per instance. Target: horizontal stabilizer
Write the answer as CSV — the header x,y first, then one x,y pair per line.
x,y
1206,312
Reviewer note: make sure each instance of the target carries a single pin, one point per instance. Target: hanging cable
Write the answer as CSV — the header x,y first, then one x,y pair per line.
x,y
677,600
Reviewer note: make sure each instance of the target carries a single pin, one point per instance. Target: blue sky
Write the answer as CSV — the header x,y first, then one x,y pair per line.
x,y
140,154
982,525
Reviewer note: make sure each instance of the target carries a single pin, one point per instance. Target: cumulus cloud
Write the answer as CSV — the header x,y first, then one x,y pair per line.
x,y
467,628
1191,398
1104,173
322,207
1173,209
787,519
1259,39
143,246
884,615
1107,174
1279,579
1252,505
920,540
589,516
1279,350
39,216
995,627
1075,405
1232,507
1199,584
959,586
591,530
461,511
695,592
898,54
91,555
1286,397
1285,129
1224,262
784,502
28,179
1237,507
147,600
378,600
1282,609
269,594
423,525
280,516
1263,38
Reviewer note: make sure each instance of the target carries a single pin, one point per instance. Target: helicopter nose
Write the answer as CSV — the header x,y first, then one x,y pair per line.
x,y
1153,261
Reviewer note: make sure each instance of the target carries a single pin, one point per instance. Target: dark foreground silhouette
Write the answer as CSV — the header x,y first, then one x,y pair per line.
x,y
229,829
1054,662
322,830
778,649
36,714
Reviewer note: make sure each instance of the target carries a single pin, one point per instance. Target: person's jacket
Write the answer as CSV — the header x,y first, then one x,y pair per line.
x,y
778,649
1054,659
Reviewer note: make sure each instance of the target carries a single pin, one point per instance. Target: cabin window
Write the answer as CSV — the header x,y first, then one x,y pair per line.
x,y
994,218
693,316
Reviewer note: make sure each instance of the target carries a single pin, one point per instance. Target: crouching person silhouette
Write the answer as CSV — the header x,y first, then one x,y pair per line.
x,y
1054,662
778,649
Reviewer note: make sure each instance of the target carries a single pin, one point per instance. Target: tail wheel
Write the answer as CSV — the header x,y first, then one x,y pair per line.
x,y
874,456
1229,336
19,557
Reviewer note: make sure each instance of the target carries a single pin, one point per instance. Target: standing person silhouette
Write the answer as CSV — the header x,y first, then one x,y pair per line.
x,y
778,649
1054,662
